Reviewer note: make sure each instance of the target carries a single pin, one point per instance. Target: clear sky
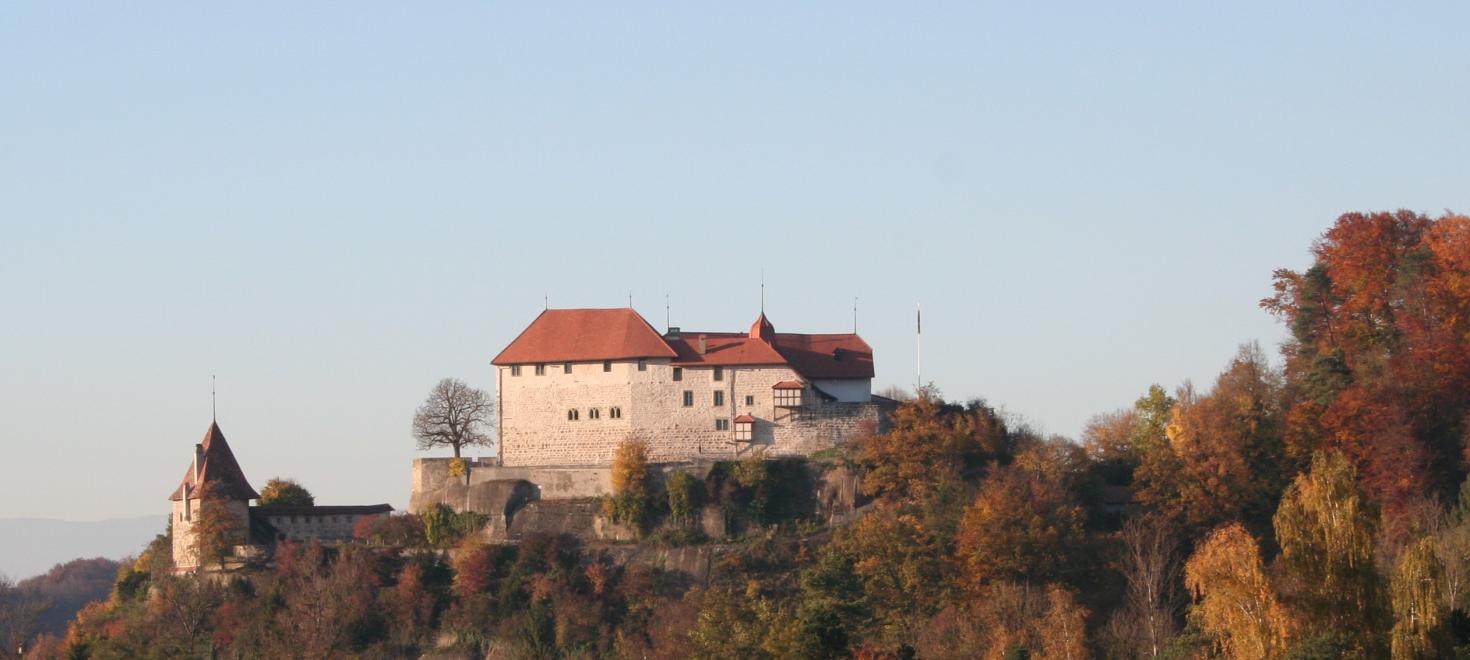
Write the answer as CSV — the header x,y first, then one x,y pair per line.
x,y
331,206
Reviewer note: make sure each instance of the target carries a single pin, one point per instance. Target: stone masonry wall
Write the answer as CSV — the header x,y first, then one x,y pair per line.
x,y
536,430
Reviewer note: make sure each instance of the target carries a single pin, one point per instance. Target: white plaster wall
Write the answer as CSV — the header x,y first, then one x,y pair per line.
x,y
315,527
847,390
535,430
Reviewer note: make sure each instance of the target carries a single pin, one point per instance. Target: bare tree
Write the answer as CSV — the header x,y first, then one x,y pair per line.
x,y
20,612
1148,619
456,415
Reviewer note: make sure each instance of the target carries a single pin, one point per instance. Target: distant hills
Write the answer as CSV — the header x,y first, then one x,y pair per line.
x,y
34,545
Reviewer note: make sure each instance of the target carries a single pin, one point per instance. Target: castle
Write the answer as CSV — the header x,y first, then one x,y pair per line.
x,y
253,529
578,382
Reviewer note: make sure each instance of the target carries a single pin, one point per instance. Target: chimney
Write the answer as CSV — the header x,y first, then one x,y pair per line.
x,y
198,462
702,345
673,332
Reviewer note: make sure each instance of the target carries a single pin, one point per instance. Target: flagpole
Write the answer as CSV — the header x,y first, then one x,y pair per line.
x,y
918,346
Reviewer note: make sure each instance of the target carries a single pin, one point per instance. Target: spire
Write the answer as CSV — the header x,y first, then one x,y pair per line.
x,y
214,462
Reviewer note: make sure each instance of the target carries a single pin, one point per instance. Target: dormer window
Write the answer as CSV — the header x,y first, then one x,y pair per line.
x,y
788,393
744,428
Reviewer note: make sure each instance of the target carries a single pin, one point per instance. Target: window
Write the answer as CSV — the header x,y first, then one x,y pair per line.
x,y
719,397
788,398
722,425
678,373
643,364
750,399
719,373
615,412
572,415
593,414
607,365
688,398
540,370
566,367
743,430
515,369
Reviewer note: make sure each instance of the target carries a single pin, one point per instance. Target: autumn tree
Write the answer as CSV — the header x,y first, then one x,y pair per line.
x,y
286,492
1326,532
455,415
1023,526
20,612
631,501
1419,609
1379,359
1223,458
1234,601
216,528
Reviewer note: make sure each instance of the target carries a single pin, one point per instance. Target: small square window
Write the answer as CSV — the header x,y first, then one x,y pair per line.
x,y
540,370
515,369
678,373
743,431
607,365
719,373
722,425
566,367
643,364
688,398
750,399
719,397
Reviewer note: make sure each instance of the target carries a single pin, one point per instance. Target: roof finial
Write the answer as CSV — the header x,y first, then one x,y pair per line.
x,y
666,312
763,291
213,410
630,299
854,315
545,301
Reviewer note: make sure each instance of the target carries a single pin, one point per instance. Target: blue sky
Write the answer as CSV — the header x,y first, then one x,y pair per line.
x,y
331,206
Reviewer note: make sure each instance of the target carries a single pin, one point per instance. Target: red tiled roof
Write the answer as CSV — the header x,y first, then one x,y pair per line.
x,y
827,356
789,385
745,419
723,349
218,468
581,335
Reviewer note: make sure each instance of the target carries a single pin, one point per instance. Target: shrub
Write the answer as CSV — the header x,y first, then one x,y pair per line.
x,y
684,493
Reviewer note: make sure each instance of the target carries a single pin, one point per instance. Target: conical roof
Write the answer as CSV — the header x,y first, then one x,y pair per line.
x,y
762,329
217,468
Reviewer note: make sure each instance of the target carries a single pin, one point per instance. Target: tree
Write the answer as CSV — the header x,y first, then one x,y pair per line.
x,y
1022,526
1326,533
216,528
631,501
1235,603
20,612
455,415
1419,609
1146,622
285,492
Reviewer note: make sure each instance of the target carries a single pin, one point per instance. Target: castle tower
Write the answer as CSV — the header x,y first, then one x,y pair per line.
x,y
213,465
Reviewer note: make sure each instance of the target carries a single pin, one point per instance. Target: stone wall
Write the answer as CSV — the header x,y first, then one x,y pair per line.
x,y
538,429
487,487
185,513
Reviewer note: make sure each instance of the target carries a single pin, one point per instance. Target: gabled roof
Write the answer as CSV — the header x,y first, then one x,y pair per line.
x,y
582,335
218,468
585,335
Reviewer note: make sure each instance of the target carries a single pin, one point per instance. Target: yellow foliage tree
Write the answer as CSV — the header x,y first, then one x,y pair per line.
x,y
1234,600
1326,534
1418,604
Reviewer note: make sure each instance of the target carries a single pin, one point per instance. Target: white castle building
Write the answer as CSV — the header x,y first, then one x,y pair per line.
x,y
576,383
